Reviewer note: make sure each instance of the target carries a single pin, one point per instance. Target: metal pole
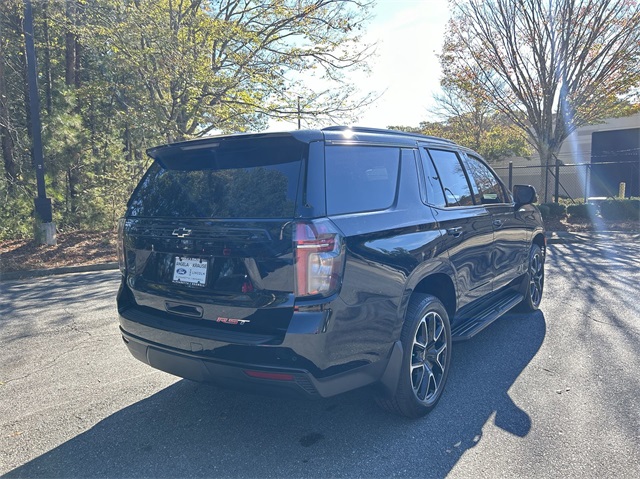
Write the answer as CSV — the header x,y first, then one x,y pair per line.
x,y
42,203
511,175
299,113
557,185
587,181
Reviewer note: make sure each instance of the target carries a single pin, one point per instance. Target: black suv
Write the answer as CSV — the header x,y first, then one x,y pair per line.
x,y
316,262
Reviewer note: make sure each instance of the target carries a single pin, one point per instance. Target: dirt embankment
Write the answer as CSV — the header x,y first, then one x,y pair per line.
x,y
73,249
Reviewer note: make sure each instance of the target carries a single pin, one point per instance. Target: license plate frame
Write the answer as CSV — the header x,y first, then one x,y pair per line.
x,y
190,271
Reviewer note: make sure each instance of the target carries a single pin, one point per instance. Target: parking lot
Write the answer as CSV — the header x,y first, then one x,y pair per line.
x,y
550,393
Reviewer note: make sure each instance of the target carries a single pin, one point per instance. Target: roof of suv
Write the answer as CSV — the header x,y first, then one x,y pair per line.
x,y
355,134
352,132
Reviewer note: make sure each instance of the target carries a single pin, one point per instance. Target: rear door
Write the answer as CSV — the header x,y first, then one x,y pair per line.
x,y
208,232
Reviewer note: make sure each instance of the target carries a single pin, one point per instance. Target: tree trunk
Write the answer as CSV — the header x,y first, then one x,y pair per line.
x,y
128,147
72,80
10,167
70,46
72,182
18,23
77,64
48,86
547,161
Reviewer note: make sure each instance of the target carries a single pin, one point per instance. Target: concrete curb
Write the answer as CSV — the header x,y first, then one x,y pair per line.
x,y
35,273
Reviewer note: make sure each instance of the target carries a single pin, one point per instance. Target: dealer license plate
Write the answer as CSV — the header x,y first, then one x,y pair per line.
x,y
190,271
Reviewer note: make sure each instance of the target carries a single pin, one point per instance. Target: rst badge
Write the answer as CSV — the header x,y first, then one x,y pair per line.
x,y
232,321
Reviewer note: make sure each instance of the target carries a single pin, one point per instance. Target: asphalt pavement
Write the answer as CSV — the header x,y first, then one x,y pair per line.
x,y
554,393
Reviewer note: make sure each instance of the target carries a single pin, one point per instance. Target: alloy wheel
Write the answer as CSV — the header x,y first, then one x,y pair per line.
x,y
536,274
428,357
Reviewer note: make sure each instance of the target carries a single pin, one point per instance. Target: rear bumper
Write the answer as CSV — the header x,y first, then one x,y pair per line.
x,y
201,369
208,360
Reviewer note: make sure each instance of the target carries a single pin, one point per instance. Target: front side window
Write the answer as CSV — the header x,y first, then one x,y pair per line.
x,y
452,177
486,187
360,178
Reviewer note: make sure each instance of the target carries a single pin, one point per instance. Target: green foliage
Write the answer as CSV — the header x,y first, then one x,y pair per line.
x,y
117,77
471,121
16,214
195,67
544,211
553,210
582,211
474,122
620,209
493,140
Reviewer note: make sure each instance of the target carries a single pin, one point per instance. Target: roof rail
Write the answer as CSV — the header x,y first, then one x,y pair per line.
x,y
364,129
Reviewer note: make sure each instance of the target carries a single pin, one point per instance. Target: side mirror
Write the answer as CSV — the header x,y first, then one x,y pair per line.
x,y
524,195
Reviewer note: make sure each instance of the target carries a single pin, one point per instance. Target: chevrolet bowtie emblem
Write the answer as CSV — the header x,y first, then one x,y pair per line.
x,y
181,232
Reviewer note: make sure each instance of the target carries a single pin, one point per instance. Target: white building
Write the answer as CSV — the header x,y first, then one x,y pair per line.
x,y
594,158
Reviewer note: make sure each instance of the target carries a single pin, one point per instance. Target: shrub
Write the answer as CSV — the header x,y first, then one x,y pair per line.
x,y
583,211
16,215
620,209
553,210
544,210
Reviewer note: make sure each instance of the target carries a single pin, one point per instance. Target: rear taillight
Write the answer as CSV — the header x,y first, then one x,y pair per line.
x,y
319,258
120,245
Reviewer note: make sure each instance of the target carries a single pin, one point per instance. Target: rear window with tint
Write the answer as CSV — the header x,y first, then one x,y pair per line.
x,y
239,179
360,178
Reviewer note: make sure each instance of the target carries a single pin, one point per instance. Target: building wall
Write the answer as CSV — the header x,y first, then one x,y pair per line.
x,y
575,156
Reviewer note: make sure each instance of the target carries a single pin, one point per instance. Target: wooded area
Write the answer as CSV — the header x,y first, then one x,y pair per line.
x,y
119,76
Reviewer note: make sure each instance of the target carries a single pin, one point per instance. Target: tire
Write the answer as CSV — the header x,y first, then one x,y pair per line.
x,y
426,342
533,281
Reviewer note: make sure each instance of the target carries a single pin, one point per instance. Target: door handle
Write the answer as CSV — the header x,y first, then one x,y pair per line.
x,y
455,232
497,223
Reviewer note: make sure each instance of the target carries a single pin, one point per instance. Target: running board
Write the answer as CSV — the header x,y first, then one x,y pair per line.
x,y
477,320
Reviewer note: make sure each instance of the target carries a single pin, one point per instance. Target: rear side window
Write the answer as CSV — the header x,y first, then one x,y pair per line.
x,y
453,178
243,179
435,196
360,178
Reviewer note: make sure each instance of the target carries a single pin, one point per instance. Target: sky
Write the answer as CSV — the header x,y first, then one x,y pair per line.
x,y
409,34
405,71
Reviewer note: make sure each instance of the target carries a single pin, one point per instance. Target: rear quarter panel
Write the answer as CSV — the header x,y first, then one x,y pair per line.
x,y
384,251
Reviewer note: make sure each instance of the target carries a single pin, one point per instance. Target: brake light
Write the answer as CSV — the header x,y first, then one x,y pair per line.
x,y
319,258
120,245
